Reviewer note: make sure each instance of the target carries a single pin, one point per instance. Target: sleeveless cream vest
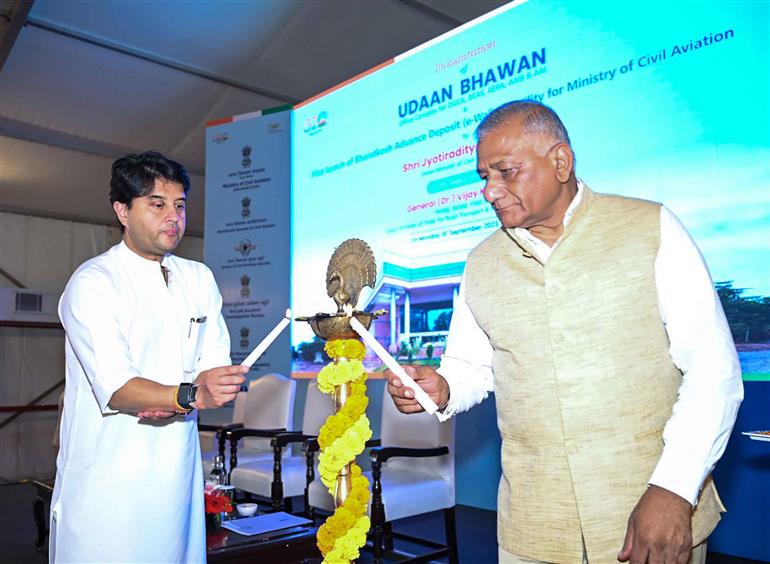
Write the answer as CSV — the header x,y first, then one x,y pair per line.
x,y
584,382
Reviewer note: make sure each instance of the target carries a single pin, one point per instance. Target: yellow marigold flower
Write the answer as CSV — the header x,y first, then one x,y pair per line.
x,y
325,539
346,518
346,348
358,387
354,506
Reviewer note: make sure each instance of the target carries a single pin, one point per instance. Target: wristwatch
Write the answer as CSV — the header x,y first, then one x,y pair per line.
x,y
185,396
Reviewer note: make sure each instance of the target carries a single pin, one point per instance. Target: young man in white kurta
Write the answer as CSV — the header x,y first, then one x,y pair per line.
x,y
139,322
118,473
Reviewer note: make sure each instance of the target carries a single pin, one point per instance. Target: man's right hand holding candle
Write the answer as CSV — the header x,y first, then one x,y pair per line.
x,y
428,379
218,386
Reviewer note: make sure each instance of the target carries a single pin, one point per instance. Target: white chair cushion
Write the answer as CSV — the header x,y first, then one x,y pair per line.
x,y
409,493
417,430
318,406
270,402
245,456
257,477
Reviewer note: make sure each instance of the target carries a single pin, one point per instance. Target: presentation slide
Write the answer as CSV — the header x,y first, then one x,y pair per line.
x,y
667,102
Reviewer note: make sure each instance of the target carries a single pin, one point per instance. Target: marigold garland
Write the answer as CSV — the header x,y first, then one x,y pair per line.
x,y
354,408
342,451
345,532
346,348
339,373
341,439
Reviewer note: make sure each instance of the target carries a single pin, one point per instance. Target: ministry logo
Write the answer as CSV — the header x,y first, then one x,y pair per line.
x,y
314,124
245,209
245,337
245,247
246,152
245,290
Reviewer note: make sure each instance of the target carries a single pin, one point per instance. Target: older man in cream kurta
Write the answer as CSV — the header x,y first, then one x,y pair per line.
x,y
595,321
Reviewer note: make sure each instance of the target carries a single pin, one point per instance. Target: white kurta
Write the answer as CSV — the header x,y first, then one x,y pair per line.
x,y
130,490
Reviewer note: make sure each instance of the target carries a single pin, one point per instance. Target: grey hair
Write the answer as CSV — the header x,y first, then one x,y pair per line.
x,y
535,117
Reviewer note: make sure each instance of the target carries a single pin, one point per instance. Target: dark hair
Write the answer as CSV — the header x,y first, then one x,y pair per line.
x,y
134,175
535,117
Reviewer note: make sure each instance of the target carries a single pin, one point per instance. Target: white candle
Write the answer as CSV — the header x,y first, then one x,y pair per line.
x,y
419,394
267,341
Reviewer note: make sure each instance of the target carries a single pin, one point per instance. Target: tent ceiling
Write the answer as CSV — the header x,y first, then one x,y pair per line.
x,y
85,82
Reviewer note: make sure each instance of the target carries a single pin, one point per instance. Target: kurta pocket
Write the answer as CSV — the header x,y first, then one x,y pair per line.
x,y
194,342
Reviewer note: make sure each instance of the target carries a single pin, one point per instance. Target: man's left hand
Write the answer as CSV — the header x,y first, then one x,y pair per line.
x,y
658,529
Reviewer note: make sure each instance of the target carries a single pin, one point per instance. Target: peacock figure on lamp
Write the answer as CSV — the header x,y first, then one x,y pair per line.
x,y
344,435
351,267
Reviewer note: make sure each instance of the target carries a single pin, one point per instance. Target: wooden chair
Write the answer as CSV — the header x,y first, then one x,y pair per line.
x,y
269,409
284,477
213,438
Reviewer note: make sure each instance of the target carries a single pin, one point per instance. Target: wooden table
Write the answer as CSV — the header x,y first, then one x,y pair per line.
x,y
294,545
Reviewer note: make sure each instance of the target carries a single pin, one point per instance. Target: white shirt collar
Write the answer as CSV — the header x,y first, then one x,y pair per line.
x,y
143,265
542,249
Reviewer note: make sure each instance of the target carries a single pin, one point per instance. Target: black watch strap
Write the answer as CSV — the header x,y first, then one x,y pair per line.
x,y
185,395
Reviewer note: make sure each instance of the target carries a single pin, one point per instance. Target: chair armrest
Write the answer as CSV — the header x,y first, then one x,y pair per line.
x,y
237,434
380,455
311,445
219,428
284,439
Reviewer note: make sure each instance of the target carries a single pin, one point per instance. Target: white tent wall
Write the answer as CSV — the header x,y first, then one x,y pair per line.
x,y
42,253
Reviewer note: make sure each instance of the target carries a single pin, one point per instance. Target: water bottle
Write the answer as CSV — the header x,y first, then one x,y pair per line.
x,y
218,475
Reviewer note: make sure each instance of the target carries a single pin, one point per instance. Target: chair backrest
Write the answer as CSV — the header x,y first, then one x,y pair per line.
x,y
418,430
318,406
239,407
269,405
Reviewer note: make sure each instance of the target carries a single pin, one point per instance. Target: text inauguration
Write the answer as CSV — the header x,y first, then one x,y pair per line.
x,y
491,75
